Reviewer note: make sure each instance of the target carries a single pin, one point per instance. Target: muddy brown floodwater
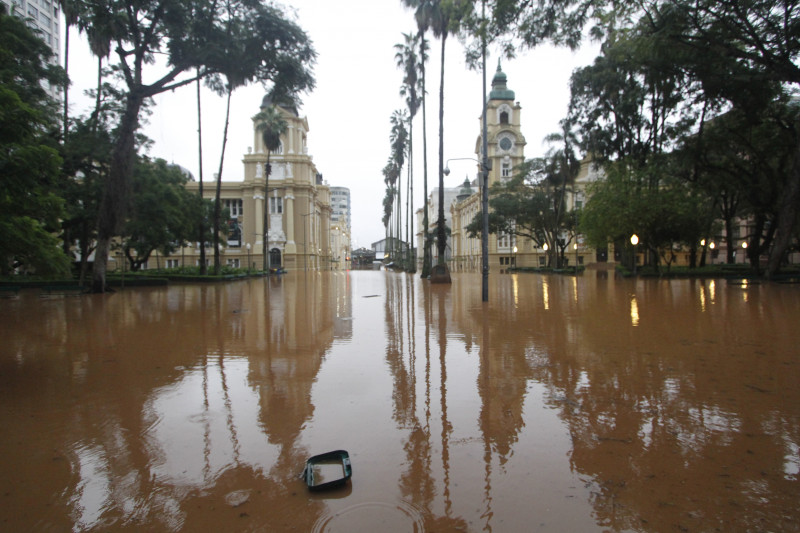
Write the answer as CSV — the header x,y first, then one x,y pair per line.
x,y
564,404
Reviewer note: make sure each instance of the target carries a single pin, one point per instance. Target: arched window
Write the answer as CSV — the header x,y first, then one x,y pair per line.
x,y
275,258
504,117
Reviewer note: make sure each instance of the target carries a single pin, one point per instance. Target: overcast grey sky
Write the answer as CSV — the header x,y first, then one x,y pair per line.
x,y
348,113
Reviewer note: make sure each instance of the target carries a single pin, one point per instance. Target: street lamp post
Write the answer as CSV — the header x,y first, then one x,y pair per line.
x,y
514,262
248,257
545,248
634,242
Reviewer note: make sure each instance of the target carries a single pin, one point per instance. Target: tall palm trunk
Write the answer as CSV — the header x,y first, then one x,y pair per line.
x,y
411,263
217,201
202,223
97,98
399,240
66,81
265,260
426,248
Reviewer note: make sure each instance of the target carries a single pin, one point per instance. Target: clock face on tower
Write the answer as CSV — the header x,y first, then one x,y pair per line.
x,y
506,144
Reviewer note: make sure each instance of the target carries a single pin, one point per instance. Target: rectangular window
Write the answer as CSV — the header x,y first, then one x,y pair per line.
x,y
276,205
33,12
173,263
44,19
506,170
234,207
233,263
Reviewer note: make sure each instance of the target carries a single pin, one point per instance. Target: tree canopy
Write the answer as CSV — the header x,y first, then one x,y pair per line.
x,y
29,160
243,40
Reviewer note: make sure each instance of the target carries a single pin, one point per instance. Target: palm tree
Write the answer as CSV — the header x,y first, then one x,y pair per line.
x,y
100,29
271,124
399,144
440,24
408,61
71,17
422,10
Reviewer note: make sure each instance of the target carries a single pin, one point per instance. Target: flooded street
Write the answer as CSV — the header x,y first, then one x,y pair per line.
x,y
564,404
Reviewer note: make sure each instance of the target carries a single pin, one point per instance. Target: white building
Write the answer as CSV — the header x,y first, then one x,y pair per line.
x,y
44,18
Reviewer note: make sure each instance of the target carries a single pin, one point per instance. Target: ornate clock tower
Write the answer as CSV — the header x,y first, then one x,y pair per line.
x,y
506,147
505,140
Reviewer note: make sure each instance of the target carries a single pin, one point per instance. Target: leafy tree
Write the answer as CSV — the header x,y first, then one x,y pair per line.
x,y
744,162
162,212
662,217
271,124
86,161
736,50
444,17
190,36
29,162
532,203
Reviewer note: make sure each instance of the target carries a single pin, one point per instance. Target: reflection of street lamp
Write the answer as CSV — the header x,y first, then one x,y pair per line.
x,y
576,253
248,257
514,262
634,242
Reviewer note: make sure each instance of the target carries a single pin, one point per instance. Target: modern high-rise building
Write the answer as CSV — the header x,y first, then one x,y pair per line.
x,y
340,226
44,18
340,204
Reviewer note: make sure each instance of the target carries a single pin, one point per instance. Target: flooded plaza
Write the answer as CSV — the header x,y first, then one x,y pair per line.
x,y
564,404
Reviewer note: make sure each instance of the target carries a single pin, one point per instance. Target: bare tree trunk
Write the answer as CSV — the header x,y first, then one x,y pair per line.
x,y
116,193
787,215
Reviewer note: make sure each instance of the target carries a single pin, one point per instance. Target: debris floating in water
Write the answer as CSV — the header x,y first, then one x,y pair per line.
x,y
237,497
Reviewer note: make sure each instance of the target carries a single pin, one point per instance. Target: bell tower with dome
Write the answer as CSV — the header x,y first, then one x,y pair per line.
x,y
506,150
506,144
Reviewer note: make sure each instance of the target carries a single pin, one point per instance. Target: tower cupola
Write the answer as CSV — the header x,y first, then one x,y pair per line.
x,y
499,89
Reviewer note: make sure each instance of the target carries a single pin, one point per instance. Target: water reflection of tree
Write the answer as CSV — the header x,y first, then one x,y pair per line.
x,y
655,408
417,483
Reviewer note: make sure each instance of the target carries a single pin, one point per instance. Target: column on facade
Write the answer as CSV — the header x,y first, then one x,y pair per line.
x,y
259,224
291,246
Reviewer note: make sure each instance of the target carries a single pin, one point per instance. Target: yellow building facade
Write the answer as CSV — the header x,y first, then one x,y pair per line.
x,y
506,150
299,234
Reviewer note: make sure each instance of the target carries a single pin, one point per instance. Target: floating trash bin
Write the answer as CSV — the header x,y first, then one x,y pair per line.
x,y
327,470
